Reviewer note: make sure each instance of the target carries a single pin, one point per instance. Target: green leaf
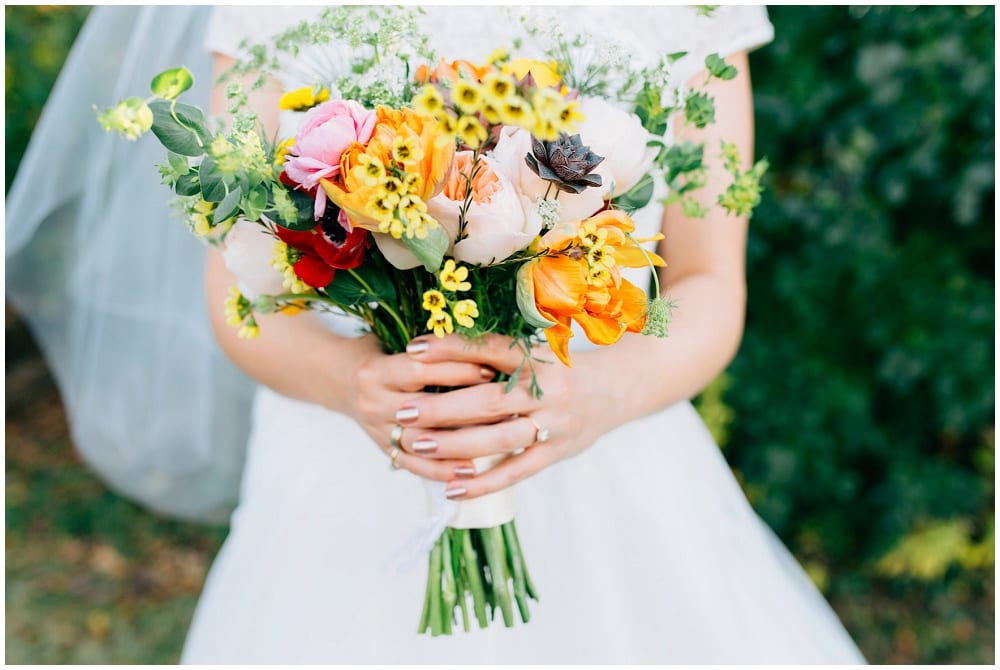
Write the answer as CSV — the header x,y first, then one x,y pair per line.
x,y
184,131
229,206
364,284
429,250
676,56
255,202
699,109
304,206
188,184
682,158
717,67
526,298
214,186
638,196
171,83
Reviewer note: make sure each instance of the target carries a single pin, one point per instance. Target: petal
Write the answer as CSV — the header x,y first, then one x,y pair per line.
x,y
313,271
560,284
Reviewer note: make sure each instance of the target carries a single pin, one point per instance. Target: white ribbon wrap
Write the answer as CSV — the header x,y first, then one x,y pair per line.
x,y
493,509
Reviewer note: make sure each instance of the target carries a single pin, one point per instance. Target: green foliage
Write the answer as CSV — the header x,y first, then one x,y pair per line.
x,y
864,390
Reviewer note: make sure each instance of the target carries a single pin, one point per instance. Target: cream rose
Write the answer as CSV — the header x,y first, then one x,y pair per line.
x,y
618,136
495,223
248,251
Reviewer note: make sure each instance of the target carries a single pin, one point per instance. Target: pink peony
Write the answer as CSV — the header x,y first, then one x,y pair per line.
x,y
327,130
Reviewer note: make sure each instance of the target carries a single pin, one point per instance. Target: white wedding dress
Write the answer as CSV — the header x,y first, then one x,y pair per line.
x,y
643,548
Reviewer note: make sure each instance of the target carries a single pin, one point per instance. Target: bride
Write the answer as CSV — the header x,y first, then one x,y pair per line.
x,y
641,544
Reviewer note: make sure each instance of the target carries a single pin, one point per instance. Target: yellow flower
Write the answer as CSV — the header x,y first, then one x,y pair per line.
x,y
411,182
406,149
498,55
249,330
440,323
383,205
467,95
429,101
393,186
590,235
448,124
281,150
434,301
517,112
200,225
497,86
369,170
465,312
471,131
601,256
240,315
598,276
303,98
569,116
283,261
453,278
544,74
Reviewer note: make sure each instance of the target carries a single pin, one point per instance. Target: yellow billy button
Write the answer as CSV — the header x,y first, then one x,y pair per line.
x,y
465,313
434,301
454,278
440,323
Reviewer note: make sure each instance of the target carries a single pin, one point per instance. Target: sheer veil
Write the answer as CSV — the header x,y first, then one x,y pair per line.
x,y
110,281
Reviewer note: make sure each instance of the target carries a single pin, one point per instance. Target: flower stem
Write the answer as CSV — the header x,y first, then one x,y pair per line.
x,y
493,542
517,567
434,589
473,574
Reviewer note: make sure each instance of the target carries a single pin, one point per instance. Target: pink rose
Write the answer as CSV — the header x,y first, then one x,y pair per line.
x,y
327,130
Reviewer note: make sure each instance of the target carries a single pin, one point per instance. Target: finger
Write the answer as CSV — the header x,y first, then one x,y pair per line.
x,y
404,373
473,441
485,403
497,351
433,469
504,475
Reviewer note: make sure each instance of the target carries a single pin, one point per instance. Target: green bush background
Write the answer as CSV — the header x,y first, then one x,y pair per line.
x,y
858,414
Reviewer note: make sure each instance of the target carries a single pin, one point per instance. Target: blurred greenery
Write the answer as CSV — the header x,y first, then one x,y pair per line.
x,y
858,414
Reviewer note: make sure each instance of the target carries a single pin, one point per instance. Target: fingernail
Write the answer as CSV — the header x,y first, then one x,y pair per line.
x,y
465,471
451,494
418,346
425,446
407,414
487,373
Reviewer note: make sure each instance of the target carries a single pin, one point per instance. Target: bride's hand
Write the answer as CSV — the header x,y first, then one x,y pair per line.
x,y
486,419
378,383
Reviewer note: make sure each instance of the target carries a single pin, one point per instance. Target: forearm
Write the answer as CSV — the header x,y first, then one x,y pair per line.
x,y
643,374
286,354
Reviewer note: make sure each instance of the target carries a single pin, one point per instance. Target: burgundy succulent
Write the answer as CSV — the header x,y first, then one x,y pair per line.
x,y
566,162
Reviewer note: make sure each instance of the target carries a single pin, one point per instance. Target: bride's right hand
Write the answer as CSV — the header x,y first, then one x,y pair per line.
x,y
378,384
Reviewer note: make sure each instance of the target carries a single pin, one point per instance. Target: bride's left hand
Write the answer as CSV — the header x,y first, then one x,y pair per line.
x,y
486,419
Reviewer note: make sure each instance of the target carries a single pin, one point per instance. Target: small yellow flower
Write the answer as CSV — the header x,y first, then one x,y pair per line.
x,y
200,225
569,116
467,95
249,330
369,170
303,98
429,101
440,323
407,149
547,102
281,151
491,111
601,256
383,205
465,313
392,226
282,261
598,276
434,301
448,124
517,112
240,315
412,182
454,278
471,131
393,186
498,55
590,235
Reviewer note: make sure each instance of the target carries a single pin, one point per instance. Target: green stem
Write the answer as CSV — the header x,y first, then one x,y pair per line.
x,y
434,589
517,566
516,541
448,596
403,330
474,575
493,542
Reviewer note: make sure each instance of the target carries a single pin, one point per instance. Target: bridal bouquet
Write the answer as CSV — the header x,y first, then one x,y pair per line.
x,y
425,195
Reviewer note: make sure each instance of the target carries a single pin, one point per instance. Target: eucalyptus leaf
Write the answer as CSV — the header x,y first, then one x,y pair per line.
x,y
638,196
188,184
255,203
213,184
229,206
183,130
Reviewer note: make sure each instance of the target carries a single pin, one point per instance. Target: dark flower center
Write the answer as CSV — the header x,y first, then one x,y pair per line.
x,y
330,225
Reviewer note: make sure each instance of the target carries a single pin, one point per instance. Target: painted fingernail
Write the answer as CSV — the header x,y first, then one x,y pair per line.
x,y
418,346
425,446
487,373
465,471
451,494
407,414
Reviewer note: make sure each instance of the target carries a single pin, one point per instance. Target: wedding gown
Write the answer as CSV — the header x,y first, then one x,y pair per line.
x,y
643,548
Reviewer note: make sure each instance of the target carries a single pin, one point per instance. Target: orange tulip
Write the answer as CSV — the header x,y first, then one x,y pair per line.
x,y
434,153
579,279
446,71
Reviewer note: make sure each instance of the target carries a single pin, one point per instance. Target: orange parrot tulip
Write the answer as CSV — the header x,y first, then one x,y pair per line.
x,y
579,279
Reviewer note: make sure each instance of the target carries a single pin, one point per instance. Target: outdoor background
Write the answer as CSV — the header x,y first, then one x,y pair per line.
x,y
858,415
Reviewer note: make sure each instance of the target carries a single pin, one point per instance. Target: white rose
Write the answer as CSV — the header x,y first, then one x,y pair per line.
x,y
495,223
618,136
514,144
248,251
